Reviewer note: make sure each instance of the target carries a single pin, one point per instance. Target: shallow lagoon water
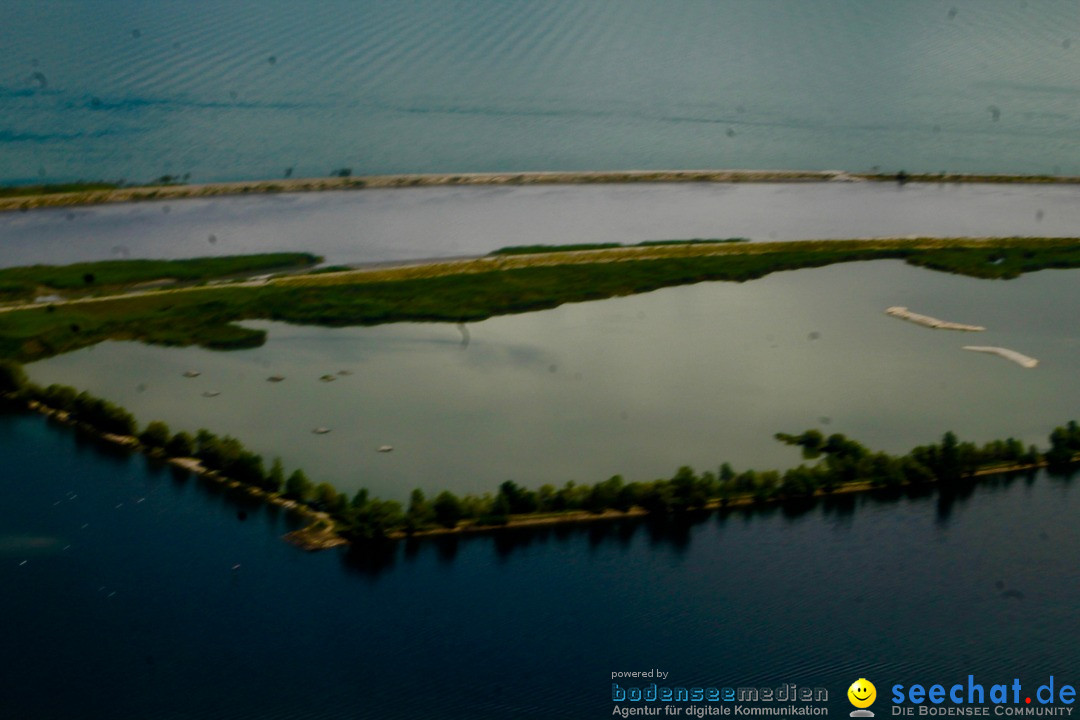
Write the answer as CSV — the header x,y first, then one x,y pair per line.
x,y
637,385
418,223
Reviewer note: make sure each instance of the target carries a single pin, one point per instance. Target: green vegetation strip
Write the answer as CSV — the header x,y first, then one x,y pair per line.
x,y
110,276
468,291
842,465
538,249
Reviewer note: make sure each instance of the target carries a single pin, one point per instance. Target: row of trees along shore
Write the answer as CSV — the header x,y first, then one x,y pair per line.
x,y
840,463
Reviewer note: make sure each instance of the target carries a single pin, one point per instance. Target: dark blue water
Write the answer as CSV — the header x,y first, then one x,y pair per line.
x,y
234,89
121,602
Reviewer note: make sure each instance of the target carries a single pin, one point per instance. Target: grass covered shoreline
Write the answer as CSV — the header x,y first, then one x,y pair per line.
x,y
22,198
541,249
110,276
472,290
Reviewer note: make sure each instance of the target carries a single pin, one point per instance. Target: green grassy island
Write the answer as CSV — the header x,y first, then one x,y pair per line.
x,y
117,303
452,291
539,249
91,279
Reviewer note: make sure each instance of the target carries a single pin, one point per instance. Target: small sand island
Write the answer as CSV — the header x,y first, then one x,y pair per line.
x,y
1018,358
904,314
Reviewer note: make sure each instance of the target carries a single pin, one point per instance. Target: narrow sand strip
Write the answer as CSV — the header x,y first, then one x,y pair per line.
x,y
904,314
1018,358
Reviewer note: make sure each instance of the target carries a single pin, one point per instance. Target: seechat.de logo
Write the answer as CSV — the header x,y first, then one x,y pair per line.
x,y
862,694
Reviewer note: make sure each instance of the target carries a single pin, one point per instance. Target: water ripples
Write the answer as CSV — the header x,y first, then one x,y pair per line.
x,y
432,86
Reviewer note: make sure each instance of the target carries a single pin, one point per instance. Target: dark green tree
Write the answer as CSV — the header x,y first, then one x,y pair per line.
x,y
498,513
448,509
156,435
12,377
247,467
571,496
474,506
604,495
949,464
297,487
658,497
103,415
375,520
519,499
746,481
1064,444
59,397
1032,456
420,513
341,506
334,502
915,473
812,442
629,497
180,445
325,496
275,479
219,453
688,491
798,482
767,486
884,470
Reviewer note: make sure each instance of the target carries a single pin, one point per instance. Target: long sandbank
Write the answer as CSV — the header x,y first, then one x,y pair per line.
x,y
96,195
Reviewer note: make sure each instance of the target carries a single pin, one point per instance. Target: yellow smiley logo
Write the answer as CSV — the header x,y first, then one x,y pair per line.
x,y
862,693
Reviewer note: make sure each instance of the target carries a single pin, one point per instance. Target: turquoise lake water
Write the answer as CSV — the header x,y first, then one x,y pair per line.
x,y
239,89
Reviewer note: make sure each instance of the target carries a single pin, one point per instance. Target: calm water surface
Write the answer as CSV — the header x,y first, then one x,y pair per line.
x,y
240,89
638,385
121,602
409,224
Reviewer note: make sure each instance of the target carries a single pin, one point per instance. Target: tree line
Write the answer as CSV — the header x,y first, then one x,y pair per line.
x,y
839,461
